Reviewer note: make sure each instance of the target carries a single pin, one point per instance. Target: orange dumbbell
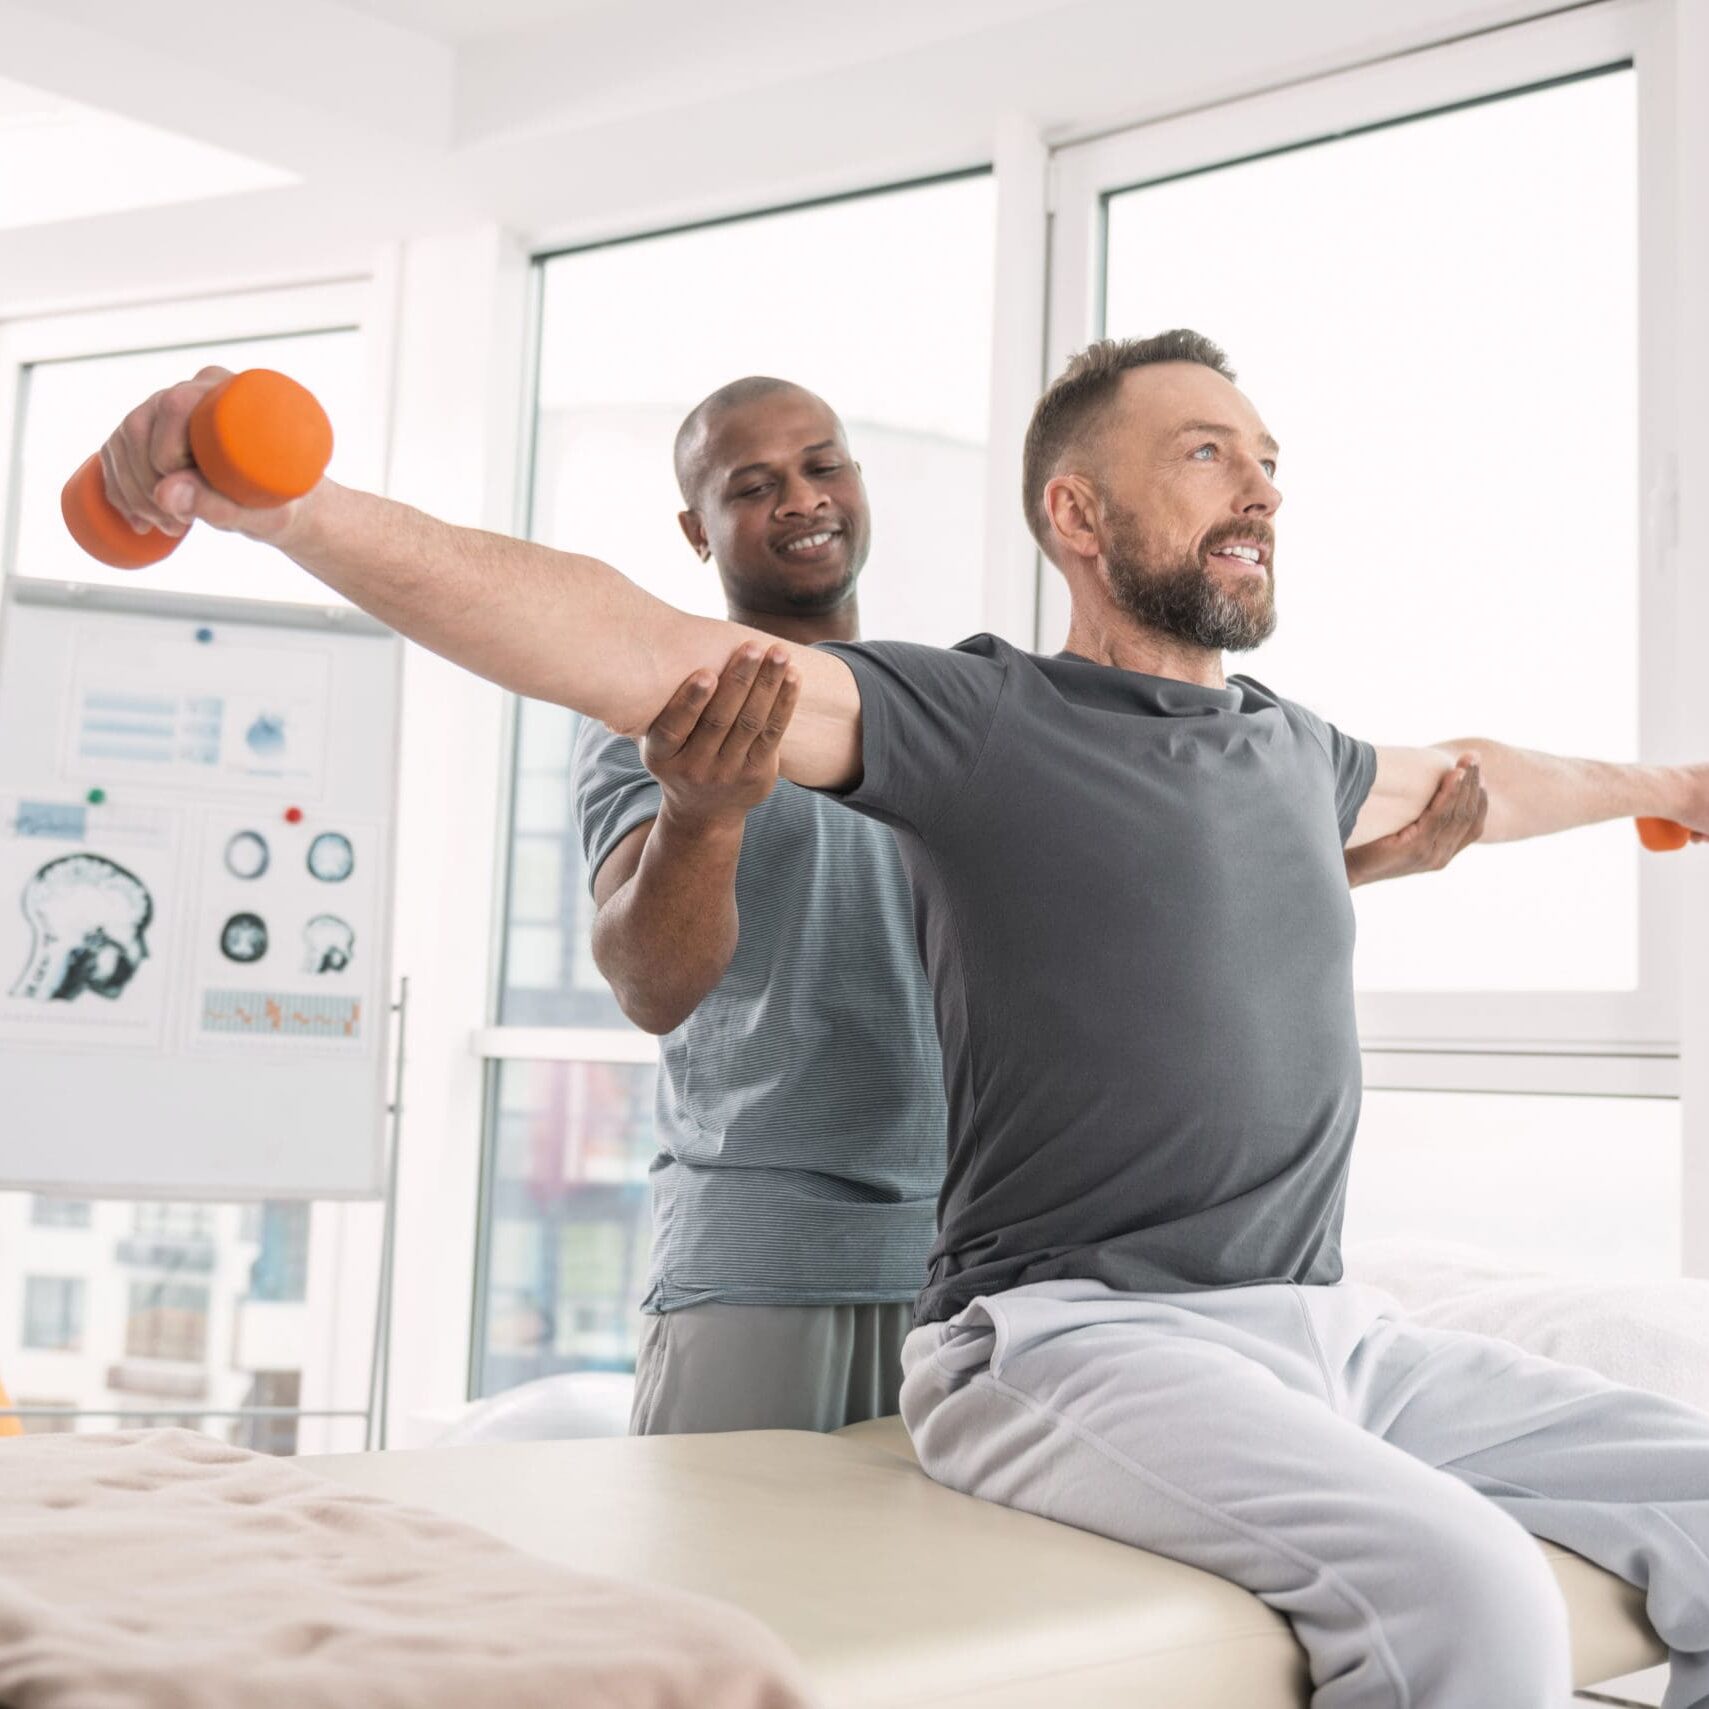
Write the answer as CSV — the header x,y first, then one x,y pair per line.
x,y
1661,836
258,438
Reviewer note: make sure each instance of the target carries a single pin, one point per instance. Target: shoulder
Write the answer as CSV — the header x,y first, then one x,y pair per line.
x,y
607,774
981,658
1256,696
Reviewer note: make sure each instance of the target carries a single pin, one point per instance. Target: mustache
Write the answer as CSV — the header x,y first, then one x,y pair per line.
x,y
1260,533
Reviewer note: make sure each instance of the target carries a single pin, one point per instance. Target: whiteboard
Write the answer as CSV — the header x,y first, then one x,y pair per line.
x,y
197,805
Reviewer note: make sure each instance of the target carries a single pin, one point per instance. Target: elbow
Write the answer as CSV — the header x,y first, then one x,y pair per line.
x,y
655,1018
652,1011
655,1012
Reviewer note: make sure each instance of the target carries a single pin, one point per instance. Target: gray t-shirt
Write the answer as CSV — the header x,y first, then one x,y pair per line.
x,y
800,1108
1134,911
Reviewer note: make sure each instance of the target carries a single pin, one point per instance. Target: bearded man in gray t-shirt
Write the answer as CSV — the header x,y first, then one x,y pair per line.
x,y
1125,868
767,936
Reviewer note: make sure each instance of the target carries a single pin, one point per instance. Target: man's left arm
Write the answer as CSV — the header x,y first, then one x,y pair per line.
x,y
1532,794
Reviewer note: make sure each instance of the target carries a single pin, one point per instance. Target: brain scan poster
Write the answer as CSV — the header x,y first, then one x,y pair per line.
x,y
89,909
287,933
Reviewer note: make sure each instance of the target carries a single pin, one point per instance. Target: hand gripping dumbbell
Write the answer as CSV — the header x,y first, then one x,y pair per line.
x,y
257,438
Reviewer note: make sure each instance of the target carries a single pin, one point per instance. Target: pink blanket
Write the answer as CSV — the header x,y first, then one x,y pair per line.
x,y
160,1569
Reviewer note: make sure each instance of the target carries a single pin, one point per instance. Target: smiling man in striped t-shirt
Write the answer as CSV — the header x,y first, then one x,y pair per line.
x,y
767,934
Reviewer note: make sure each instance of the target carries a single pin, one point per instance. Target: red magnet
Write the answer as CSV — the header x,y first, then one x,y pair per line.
x,y
293,815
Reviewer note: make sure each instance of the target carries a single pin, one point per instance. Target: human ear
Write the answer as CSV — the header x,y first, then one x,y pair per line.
x,y
694,533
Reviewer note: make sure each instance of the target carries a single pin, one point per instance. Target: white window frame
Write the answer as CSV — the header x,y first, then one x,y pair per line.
x,y
343,1239
1435,1040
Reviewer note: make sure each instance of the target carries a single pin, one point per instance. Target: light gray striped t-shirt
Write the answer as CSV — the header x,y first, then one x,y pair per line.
x,y
800,1108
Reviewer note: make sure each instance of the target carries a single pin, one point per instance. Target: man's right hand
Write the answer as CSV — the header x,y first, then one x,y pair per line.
x,y
714,747
152,480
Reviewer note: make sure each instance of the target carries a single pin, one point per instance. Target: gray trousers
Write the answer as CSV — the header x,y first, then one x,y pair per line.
x,y
1371,1480
768,1367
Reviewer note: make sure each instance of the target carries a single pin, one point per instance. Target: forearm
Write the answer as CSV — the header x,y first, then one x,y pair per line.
x,y
547,624
667,936
1534,794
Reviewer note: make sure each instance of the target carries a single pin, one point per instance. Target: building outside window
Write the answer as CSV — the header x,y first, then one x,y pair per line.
x,y
168,1221
280,1229
167,1320
48,1212
54,1312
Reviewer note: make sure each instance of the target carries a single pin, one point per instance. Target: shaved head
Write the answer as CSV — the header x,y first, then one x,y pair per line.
x,y
698,425
773,497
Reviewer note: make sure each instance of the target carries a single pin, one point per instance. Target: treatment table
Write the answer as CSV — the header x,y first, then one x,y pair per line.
x,y
897,1592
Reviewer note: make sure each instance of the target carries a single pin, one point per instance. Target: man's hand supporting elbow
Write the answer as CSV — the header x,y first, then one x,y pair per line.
x,y
667,924
1532,794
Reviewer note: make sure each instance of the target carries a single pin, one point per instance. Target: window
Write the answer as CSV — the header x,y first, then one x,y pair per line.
x,y
63,397
45,1426
280,1272
1427,275
569,1232
1429,280
167,1221
268,1287
1584,1186
267,1435
53,1313
166,1323
632,335
58,1213
167,1320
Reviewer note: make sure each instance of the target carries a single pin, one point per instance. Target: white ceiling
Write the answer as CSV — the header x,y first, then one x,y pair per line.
x,y
60,160
455,22
565,119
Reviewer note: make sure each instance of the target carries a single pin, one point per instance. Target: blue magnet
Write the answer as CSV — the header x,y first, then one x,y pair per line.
x,y
204,634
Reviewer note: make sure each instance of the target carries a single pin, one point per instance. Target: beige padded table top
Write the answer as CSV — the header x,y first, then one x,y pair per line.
x,y
897,1592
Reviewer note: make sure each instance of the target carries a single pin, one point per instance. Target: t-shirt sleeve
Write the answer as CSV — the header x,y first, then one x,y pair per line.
x,y
1353,762
612,791
925,714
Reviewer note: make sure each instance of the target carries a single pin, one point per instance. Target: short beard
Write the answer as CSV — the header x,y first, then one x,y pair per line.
x,y
1183,600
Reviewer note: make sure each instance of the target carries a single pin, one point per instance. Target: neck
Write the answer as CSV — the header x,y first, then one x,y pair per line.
x,y
1111,638
842,624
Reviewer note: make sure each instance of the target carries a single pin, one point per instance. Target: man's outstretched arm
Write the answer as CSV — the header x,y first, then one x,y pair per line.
x,y
1532,794
551,625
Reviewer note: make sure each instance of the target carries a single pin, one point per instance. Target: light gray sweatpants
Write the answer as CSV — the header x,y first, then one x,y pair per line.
x,y
1369,1479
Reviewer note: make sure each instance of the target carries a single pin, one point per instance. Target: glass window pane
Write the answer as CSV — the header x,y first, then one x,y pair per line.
x,y
53,1313
155,1307
1577,1186
1438,320
71,406
58,1213
569,1237
633,335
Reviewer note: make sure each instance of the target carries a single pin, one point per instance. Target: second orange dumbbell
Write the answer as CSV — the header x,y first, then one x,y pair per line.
x,y
258,438
1662,836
